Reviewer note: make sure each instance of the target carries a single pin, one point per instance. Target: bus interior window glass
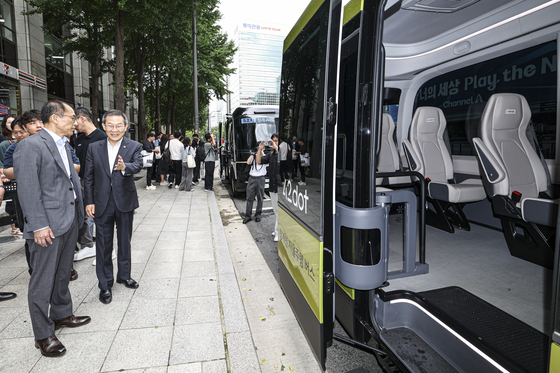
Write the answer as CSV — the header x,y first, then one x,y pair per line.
x,y
462,94
345,130
264,128
301,112
245,134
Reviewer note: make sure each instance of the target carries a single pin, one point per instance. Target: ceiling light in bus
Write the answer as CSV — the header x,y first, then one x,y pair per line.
x,y
437,6
489,28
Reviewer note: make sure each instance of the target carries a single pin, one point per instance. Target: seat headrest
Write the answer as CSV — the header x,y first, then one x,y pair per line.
x,y
509,111
429,120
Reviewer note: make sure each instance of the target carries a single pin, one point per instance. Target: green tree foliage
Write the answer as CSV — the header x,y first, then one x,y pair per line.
x,y
157,52
167,52
85,27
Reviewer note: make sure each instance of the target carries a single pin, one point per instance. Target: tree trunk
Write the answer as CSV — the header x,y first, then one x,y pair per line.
x,y
150,94
95,66
158,100
119,63
140,66
173,109
95,90
168,121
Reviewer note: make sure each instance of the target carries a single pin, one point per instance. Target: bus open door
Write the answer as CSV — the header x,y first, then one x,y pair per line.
x,y
305,215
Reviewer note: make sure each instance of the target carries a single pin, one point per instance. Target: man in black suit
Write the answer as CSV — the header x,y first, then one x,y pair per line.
x,y
111,198
51,200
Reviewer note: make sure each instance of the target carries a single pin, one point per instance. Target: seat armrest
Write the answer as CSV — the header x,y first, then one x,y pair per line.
x,y
540,211
411,157
493,171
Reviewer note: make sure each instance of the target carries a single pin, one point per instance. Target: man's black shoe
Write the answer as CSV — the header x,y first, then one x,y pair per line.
x,y
247,219
130,283
73,275
257,218
105,296
170,186
7,296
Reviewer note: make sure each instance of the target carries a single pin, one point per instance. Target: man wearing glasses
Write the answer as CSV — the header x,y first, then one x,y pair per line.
x,y
111,198
51,200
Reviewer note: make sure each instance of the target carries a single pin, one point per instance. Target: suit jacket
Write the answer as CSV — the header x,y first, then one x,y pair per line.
x,y
45,191
99,181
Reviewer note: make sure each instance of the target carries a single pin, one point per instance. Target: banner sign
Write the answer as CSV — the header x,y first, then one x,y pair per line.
x,y
14,73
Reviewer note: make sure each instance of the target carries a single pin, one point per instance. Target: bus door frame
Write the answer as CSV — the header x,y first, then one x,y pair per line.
x,y
320,333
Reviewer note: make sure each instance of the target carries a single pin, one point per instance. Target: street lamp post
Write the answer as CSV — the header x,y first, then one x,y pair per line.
x,y
195,69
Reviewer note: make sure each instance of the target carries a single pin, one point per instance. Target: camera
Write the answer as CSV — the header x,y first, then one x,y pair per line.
x,y
267,143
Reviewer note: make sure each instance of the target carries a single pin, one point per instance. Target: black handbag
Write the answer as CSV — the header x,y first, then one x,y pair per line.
x,y
246,171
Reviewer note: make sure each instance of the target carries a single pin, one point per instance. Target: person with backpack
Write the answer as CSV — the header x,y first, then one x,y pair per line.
x,y
187,157
200,155
163,168
209,162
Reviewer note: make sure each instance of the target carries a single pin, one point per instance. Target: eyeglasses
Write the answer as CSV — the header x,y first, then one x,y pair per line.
x,y
119,127
71,116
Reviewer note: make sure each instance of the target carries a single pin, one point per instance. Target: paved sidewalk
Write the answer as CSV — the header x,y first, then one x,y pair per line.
x,y
189,313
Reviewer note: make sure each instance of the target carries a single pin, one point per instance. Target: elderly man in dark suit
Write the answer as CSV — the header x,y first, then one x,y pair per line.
x,y
111,198
50,195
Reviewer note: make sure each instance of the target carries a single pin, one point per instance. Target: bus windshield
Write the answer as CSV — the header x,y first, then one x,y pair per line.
x,y
250,131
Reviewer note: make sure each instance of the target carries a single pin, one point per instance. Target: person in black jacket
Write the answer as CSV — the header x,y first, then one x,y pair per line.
x,y
150,148
273,161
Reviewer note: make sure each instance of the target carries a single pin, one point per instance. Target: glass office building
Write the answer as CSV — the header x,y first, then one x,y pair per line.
x,y
258,64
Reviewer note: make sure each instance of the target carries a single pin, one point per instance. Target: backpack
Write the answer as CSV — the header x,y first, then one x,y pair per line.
x,y
200,154
167,154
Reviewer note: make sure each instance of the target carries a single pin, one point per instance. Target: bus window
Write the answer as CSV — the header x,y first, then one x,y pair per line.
x,y
392,110
462,94
301,115
249,131
346,118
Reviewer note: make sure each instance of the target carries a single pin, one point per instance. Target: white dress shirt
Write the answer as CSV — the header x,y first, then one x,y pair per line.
x,y
113,151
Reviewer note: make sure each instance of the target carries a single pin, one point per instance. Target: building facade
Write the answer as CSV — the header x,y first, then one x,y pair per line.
x,y
257,63
34,70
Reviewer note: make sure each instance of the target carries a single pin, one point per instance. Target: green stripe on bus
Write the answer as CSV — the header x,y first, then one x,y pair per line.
x,y
302,255
351,292
302,21
555,358
352,8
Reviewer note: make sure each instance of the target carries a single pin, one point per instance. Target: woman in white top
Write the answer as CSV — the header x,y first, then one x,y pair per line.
x,y
285,151
186,180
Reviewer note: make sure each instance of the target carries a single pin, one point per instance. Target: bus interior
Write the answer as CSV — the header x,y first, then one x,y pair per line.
x,y
478,308
454,55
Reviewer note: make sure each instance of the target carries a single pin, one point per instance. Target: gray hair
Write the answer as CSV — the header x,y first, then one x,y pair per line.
x,y
113,112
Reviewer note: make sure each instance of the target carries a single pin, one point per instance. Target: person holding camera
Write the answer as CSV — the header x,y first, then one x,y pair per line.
x,y
255,186
272,159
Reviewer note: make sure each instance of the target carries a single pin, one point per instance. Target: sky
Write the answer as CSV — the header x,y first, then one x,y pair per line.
x,y
284,12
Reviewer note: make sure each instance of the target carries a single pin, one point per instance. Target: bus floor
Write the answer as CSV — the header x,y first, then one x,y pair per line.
x,y
479,262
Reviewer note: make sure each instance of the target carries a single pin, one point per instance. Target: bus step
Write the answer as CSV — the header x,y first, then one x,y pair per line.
x,y
498,330
416,353
469,333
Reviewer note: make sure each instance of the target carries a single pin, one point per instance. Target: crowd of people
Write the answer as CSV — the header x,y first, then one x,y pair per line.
x,y
179,161
63,188
74,180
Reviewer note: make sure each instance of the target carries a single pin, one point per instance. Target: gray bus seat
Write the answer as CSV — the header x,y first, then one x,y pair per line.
x,y
388,157
427,153
515,179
